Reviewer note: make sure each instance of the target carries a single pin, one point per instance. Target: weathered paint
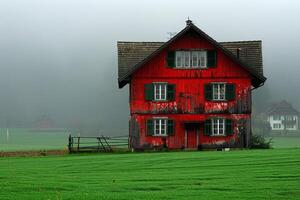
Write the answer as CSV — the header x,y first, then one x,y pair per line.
x,y
241,129
190,104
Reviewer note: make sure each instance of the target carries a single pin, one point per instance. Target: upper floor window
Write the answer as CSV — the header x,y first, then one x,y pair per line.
x,y
160,91
289,117
219,91
191,59
277,125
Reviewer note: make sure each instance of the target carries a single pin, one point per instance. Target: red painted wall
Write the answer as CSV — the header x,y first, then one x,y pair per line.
x,y
177,141
189,93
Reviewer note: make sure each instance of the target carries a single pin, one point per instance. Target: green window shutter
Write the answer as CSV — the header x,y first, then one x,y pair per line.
x,y
149,92
228,127
211,58
207,127
171,59
230,92
171,92
170,130
208,90
150,127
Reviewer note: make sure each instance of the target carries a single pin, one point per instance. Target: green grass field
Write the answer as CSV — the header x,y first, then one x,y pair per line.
x,y
246,174
24,139
286,142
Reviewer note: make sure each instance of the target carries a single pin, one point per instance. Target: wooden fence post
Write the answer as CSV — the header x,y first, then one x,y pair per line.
x,y
78,143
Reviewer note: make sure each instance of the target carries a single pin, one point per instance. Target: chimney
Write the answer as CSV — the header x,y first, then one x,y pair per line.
x,y
188,22
238,52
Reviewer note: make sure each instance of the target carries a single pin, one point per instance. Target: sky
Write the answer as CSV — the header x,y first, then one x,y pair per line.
x,y
59,57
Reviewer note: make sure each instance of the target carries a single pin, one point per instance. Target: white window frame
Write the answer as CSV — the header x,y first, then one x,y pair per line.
x,y
217,95
290,126
289,117
276,117
160,126
160,91
276,126
218,126
185,59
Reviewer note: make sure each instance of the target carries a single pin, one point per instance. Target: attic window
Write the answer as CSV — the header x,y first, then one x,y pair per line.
x,y
191,59
276,117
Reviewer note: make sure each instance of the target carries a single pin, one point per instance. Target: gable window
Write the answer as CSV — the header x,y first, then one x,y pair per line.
x,y
218,91
276,117
160,91
191,59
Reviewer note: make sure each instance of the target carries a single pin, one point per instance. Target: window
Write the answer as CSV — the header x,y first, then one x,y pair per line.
x,y
160,91
289,117
191,59
160,126
218,126
290,126
276,117
218,91
277,126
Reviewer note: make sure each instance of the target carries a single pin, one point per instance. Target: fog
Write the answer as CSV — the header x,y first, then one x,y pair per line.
x,y
58,58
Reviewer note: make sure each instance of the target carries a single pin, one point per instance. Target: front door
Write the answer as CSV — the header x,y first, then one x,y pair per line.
x,y
192,137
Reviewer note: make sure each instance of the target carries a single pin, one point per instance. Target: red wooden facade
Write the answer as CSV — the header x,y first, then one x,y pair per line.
x,y
189,109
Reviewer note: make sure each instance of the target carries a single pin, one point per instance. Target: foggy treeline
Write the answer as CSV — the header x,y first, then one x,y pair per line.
x,y
59,58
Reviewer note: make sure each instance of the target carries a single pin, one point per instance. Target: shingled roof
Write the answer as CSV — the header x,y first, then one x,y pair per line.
x,y
283,108
131,55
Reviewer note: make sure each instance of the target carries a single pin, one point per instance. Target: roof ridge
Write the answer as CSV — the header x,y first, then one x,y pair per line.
x,y
238,41
257,80
139,42
241,41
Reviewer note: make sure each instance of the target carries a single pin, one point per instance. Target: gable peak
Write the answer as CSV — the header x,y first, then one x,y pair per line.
x,y
189,22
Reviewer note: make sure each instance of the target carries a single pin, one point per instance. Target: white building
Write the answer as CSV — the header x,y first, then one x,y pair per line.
x,y
283,116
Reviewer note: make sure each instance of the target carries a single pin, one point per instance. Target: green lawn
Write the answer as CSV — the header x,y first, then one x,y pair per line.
x,y
246,174
24,139
286,142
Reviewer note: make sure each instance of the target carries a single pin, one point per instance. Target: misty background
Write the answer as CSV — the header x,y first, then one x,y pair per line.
x,y
58,58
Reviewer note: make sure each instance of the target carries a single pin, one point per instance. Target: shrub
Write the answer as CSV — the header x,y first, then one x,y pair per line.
x,y
259,142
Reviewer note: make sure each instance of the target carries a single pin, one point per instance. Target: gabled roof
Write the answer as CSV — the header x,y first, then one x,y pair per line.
x,y
132,55
283,108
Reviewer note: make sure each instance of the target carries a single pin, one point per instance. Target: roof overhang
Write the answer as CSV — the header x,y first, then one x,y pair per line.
x,y
257,79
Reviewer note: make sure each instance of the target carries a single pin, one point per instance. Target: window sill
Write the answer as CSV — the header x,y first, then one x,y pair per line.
x,y
159,135
217,101
190,68
221,135
158,101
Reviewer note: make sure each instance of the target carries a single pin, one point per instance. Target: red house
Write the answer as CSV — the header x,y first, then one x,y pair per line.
x,y
190,92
